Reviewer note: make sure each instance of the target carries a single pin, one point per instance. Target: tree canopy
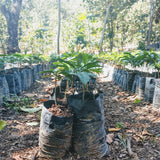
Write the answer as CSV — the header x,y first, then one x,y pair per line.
x,y
82,22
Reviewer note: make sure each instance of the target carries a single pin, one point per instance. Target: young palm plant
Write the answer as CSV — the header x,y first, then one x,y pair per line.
x,y
84,66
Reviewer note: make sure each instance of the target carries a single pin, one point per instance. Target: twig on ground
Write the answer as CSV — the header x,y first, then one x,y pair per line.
x,y
130,152
35,155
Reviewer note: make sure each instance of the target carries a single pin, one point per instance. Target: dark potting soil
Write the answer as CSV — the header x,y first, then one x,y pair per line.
x,y
59,110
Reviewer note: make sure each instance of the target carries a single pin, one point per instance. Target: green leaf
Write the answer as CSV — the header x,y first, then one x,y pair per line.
x,y
119,125
82,17
137,101
79,59
2,124
67,62
84,77
32,123
30,110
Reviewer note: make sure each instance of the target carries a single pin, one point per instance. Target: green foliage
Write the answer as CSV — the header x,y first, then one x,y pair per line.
x,y
124,141
141,45
119,125
82,17
81,65
82,25
128,58
137,101
18,103
2,124
30,110
21,59
135,59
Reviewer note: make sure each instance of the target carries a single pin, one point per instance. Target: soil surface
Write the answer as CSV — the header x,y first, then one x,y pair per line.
x,y
132,126
60,110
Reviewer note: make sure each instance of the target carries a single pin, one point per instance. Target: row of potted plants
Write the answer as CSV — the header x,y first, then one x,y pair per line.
x,y
134,60
137,72
20,60
15,80
144,85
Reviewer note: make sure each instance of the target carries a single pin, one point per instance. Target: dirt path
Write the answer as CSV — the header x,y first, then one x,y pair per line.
x,y
139,124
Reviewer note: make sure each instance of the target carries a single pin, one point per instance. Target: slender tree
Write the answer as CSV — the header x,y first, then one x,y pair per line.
x,y
150,23
59,27
157,20
11,12
104,26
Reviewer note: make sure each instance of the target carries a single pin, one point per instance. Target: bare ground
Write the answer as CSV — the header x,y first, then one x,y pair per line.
x,y
138,135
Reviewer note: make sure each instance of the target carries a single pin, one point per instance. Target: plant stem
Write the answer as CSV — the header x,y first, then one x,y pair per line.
x,y
67,86
55,92
87,87
83,91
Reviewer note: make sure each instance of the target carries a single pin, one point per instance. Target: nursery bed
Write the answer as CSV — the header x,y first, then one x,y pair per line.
x,y
139,122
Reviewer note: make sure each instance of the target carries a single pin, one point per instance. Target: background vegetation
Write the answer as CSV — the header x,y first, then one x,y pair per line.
x,y
127,25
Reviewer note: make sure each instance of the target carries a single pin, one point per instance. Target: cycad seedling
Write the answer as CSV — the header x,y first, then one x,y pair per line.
x,y
84,66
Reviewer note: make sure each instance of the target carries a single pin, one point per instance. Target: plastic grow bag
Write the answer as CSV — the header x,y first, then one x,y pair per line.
x,y
29,78
5,92
124,81
89,136
135,84
114,74
1,90
11,83
32,78
63,84
39,67
24,79
130,80
156,98
147,87
141,87
35,72
151,91
17,80
55,133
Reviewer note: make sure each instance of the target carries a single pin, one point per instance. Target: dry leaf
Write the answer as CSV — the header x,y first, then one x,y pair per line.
x,y
43,100
115,98
114,129
109,138
16,156
145,132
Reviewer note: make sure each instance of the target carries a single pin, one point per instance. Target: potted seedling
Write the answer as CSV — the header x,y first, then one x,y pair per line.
x,y
83,66
87,108
56,124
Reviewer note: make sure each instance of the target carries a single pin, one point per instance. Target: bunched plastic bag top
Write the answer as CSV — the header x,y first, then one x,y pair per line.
x,y
89,136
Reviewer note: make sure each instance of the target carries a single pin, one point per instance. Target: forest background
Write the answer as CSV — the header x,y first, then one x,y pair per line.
x,y
130,24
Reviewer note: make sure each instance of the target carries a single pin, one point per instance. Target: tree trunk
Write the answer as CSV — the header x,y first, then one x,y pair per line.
x,y
157,20
12,18
59,27
150,23
112,35
3,47
104,27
